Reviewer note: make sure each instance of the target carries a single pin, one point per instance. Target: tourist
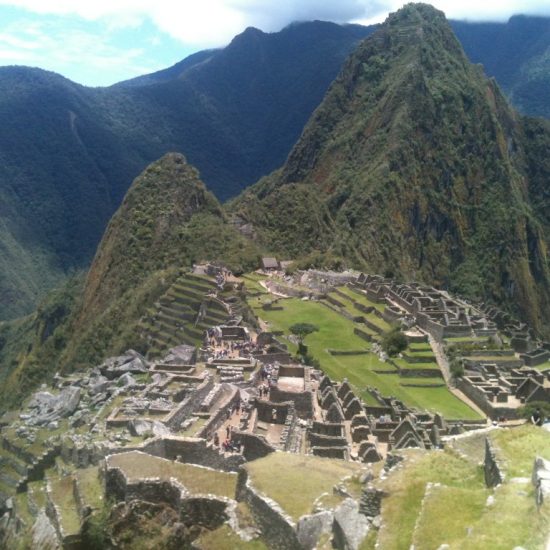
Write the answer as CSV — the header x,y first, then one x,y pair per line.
x,y
216,440
537,418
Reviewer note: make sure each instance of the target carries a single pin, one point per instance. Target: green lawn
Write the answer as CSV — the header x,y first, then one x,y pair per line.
x,y
336,332
91,487
350,308
252,282
418,347
404,364
296,481
224,538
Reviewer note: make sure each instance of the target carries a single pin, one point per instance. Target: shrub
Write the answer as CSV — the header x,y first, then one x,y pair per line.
x,y
394,341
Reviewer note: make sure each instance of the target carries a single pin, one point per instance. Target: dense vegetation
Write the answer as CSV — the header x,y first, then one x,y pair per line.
x,y
414,165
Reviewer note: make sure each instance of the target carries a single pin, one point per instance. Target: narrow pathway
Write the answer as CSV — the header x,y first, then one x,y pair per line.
x,y
443,364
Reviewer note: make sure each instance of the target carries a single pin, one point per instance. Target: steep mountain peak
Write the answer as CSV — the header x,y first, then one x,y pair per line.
x,y
413,56
415,165
146,229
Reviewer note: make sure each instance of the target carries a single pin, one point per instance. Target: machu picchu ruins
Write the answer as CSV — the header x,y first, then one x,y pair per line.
x,y
180,425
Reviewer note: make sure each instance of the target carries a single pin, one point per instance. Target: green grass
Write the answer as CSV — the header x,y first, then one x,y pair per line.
x,y
193,428
415,347
407,487
224,538
404,364
22,507
499,358
38,490
518,447
455,512
543,366
336,332
295,481
252,282
196,479
463,508
91,488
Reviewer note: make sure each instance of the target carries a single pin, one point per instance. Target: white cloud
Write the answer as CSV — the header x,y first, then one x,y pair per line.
x,y
53,46
215,22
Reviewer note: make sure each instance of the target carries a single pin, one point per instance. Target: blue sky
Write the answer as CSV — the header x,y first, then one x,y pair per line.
x,y
101,42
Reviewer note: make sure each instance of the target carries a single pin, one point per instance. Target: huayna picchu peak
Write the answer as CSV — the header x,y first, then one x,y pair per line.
x,y
417,166
351,354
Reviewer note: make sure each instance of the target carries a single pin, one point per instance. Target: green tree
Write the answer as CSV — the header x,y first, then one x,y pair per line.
x,y
301,330
394,342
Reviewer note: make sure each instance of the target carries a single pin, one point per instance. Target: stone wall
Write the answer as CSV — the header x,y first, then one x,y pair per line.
x,y
36,470
68,542
318,440
190,404
207,511
254,446
479,398
362,334
277,528
303,401
196,451
218,418
491,467
270,358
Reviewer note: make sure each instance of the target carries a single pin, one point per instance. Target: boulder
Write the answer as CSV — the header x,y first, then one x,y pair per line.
x,y
140,427
132,362
100,384
48,408
43,533
126,380
349,526
310,528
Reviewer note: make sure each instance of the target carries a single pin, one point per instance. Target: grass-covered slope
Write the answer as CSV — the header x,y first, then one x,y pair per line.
x,y
415,164
359,365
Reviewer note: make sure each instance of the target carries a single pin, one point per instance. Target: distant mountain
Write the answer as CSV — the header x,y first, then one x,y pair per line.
x,y
517,54
69,153
414,165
